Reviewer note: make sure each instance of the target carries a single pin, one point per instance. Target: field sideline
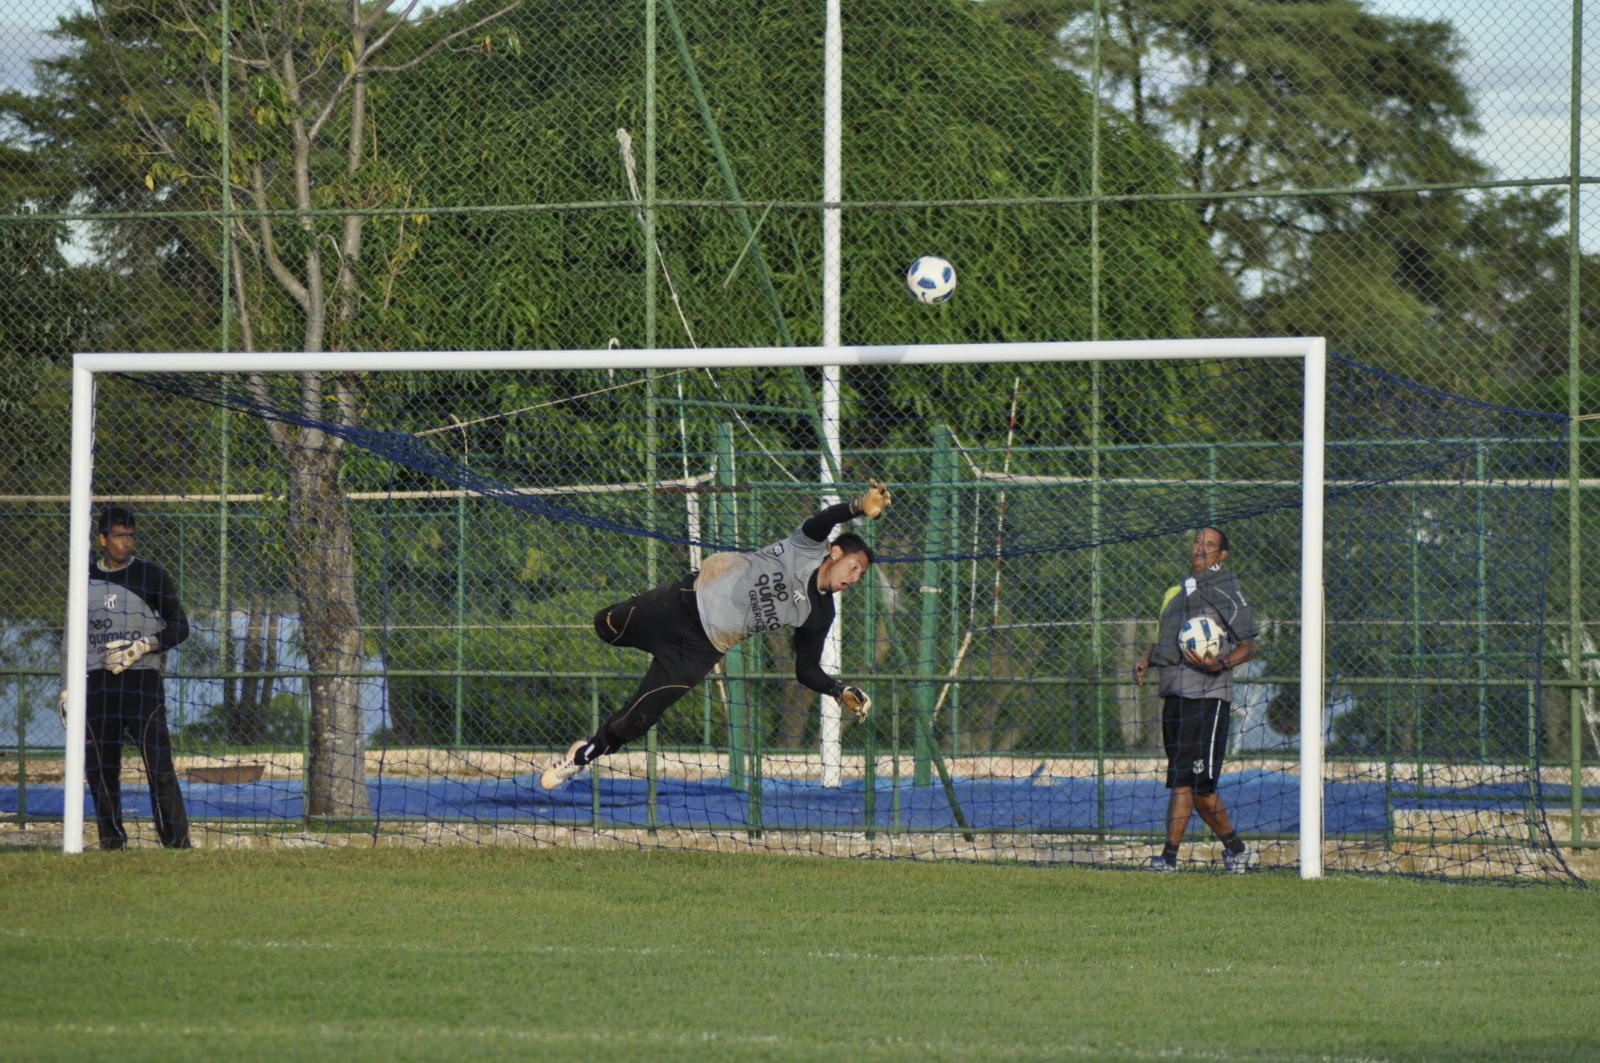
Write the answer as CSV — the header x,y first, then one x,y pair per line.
x,y
498,953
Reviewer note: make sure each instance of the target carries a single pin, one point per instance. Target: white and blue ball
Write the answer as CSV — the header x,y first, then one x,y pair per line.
x,y
1201,635
931,279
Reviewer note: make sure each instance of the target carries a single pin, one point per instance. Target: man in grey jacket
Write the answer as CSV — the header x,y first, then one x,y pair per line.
x,y
134,618
1197,697
689,624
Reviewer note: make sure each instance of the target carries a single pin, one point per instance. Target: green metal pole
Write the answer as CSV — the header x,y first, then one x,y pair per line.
x,y
953,647
1483,610
894,758
652,548
652,554
926,691
177,665
869,752
22,757
1211,479
224,611
715,136
461,608
1574,409
755,717
652,435
1535,815
1094,180
1388,746
226,269
1096,589
1097,594
1416,636
227,186
594,771
650,265
733,663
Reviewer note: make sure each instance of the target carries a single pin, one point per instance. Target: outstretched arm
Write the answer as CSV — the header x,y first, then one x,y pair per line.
x,y
808,670
870,505
808,662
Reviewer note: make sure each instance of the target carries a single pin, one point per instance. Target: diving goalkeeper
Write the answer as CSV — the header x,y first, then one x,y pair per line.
x,y
689,624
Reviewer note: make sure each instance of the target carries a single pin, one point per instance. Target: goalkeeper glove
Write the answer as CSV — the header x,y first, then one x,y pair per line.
x,y
875,501
120,653
63,700
855,699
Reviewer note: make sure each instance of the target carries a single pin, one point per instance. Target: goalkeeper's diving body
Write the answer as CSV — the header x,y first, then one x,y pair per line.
x,y
689,624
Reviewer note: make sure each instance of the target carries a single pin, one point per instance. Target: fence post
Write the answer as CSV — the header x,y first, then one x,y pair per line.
x,y
927,639
733,664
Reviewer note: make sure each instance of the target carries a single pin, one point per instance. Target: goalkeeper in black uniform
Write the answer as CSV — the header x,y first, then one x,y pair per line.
x,y
134,617
687,625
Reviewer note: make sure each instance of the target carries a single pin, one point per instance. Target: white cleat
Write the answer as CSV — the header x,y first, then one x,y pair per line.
x,y
1241,863
559,771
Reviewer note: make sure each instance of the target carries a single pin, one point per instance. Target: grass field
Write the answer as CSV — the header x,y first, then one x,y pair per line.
x,y
494,953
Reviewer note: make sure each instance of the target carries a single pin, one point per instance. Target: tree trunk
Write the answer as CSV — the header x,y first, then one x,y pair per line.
x,y
324,576
242,722
269,665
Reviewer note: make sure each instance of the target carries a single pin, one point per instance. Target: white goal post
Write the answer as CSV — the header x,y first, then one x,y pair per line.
x,y
1311,351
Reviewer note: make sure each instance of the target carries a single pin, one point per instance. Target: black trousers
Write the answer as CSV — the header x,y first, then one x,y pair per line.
x,y
665,623
132,704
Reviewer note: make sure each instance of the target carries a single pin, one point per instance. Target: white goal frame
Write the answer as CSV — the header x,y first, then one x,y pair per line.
x,y
1311,351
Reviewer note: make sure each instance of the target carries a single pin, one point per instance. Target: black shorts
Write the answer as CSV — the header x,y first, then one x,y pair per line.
x,y
1195,734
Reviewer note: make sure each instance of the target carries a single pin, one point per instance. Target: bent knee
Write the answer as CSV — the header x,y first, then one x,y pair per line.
x,y
607,626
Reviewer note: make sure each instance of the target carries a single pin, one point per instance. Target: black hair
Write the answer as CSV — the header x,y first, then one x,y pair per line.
x,y
851,543
1222,536
115,515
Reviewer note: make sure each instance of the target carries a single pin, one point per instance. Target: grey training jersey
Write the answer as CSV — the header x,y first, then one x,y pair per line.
x,y
126,604
1213,593
1185,681
739,594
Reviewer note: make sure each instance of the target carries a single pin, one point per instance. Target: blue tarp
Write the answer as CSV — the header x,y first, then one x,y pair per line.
x,y
1259,801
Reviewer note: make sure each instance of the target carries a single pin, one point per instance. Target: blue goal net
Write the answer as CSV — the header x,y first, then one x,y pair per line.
x,y
390,581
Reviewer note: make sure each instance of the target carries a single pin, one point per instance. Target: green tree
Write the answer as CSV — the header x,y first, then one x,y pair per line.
x,y
527,120
1260,96
137,104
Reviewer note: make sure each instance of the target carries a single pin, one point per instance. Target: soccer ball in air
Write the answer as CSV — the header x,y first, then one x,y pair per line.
x,y
1200,635
931,279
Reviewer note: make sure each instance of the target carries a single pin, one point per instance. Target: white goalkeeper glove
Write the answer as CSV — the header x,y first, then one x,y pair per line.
x,y
855,699
63,700
120,653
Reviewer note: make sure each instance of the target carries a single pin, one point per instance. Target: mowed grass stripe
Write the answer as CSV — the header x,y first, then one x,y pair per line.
x,y
477,953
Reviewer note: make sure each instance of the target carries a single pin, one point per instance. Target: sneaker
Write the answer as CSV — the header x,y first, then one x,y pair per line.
x,y
1159,863
559,771
1239,863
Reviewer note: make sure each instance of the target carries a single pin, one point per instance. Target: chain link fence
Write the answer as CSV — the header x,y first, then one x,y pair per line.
x,y
1403,178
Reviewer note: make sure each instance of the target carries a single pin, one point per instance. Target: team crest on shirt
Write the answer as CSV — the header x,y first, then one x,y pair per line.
x,y
799,596
111,601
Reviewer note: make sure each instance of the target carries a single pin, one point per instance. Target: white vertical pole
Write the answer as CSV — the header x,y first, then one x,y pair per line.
x,y
832,191
77,628
1311,632
833,647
